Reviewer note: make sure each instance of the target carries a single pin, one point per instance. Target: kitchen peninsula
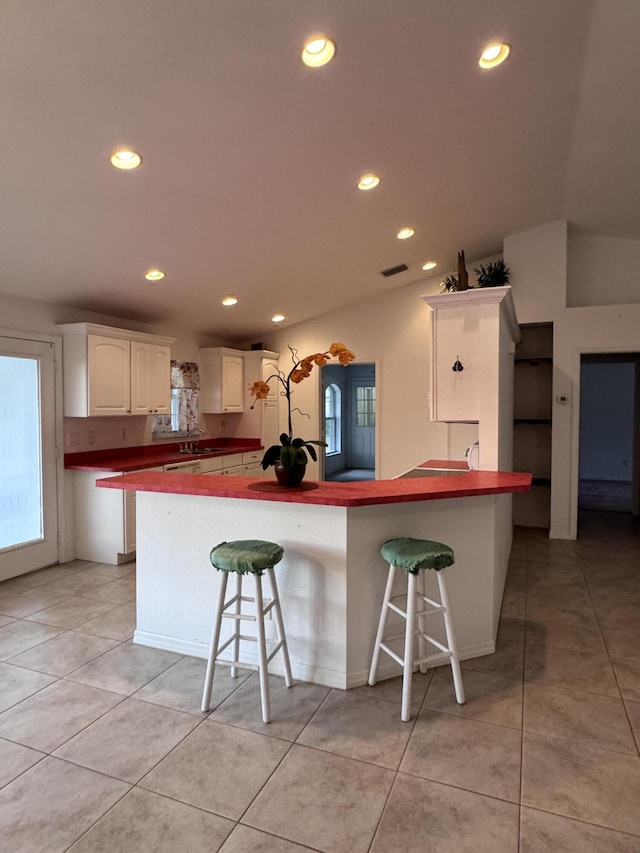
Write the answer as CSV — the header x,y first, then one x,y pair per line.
x,y
332,577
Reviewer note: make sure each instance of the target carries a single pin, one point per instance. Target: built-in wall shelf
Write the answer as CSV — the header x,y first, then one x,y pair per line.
x,y
533,407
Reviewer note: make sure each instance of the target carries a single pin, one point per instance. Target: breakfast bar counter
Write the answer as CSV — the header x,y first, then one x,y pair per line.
x,y
332,577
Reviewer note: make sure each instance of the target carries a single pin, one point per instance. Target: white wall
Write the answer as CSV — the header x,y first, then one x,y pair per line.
x,y
602,270
538,263
605,329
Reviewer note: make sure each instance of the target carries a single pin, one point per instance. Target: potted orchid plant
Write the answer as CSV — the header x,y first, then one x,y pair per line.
x,y
289,458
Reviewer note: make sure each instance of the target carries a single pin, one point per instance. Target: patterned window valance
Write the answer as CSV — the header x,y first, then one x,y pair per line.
x,y
184,374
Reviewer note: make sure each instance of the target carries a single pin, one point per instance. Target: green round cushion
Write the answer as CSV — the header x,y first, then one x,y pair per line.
x,y
246,555
412,555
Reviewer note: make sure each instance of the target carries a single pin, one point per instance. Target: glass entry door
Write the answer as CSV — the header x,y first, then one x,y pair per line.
x,y
28,495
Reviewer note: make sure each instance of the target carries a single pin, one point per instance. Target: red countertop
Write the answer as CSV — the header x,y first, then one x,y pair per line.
x,y
366,493
150,456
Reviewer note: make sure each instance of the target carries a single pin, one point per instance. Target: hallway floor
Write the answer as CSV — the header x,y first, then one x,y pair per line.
x,y
350,475
103,747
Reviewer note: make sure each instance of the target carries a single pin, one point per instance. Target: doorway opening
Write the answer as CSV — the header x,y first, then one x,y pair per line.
x,y
609,455
349,401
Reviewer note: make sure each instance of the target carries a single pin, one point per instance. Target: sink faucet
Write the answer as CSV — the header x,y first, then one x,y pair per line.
x,y
189,445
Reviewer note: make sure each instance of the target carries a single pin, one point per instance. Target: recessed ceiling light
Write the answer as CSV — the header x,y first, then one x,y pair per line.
x,y
278,318
318,51
429,265
154,275
125,158
368,182
494,54
229,300
405,233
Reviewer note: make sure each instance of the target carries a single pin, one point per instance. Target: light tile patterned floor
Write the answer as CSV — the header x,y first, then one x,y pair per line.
x,y
103,748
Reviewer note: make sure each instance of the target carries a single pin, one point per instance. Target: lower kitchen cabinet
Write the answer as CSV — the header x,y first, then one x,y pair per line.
x,y
105,519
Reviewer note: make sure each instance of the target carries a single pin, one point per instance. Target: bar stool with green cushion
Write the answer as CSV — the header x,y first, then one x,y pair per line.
x,y
242,557
413,556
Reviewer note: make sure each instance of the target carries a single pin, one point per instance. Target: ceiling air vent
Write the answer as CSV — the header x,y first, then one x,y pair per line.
x,y
394,270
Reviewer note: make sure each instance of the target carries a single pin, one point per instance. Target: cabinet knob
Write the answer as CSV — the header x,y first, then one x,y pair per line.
x,y
457,365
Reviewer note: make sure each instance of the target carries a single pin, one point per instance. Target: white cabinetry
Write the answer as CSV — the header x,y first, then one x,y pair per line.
x,y
473,338
232,465
263,419
251,466
105,519
211,465
269,367
190,467
111,371
108,376
150,378
466,342
221,380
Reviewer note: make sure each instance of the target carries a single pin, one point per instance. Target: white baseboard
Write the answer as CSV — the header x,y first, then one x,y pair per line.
x,y
561,534
312,674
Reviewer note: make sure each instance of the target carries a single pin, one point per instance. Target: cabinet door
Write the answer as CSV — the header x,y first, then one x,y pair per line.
x,y
109,376
454,393
130,517
160,380
150,379
270,423
140,373
254,469
232,383
269,367
211,465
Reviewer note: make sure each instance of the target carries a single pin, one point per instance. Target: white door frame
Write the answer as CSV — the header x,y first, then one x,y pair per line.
x,y
64,530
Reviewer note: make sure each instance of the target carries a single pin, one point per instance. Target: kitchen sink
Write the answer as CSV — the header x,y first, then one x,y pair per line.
x,y
196,451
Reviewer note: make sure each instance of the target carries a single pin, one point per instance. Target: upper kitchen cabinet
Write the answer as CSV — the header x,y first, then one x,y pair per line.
x,y
150,378
221,380
472,332
110,371
261,417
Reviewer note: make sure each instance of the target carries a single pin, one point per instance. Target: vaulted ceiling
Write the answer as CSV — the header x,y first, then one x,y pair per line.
x,y
251,159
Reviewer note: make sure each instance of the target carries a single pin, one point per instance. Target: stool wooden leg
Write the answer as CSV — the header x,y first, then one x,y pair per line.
x,y
277,615
382,624
215,641
262,652
451,642
422,622
407,674
237,609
